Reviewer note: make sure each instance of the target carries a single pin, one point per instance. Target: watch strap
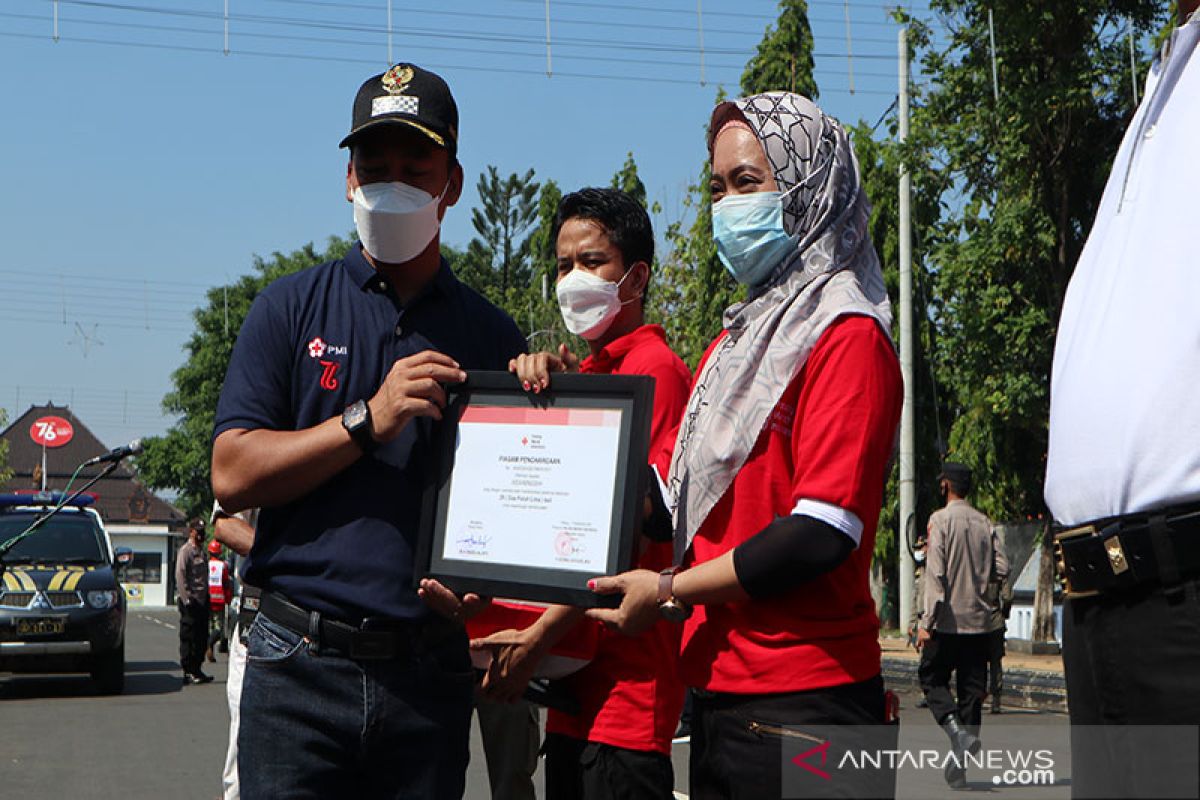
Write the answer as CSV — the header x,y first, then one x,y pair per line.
x,y
361,432
666,580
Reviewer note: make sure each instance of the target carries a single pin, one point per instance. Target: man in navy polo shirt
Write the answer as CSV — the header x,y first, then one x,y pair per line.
x,y
353,687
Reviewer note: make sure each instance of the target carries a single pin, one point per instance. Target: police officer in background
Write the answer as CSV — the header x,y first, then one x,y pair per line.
x,y
963,557
191,585
1123,468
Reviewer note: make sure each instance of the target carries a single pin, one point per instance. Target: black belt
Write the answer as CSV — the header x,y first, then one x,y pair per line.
x,y
373,638
1122,553
248,606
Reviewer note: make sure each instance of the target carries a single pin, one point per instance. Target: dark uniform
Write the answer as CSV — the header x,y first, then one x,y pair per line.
x,y
353,688
191,584
963,556
345,551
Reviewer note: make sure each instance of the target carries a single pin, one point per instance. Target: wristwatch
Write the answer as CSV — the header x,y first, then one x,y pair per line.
x,y
356,419
671,607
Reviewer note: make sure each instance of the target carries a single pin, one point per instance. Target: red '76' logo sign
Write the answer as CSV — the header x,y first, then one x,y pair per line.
x,y
329,379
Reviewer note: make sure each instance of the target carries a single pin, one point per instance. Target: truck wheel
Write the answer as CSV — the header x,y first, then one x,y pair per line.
x,y
108,671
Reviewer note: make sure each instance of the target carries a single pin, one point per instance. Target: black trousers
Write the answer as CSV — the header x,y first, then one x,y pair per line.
x,y
580,770
193,635
996,662
965,655
1133,659
752,746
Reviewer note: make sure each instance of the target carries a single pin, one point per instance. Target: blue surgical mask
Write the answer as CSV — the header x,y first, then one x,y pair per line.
x,y
748,231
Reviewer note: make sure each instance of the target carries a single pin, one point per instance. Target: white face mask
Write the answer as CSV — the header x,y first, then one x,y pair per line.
x,y
395,221
589,303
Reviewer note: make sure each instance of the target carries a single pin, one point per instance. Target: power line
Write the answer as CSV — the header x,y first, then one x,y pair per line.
x,y
737,14
107,324
260,19
473,50
106,279
517,18
587,43
346,60
358,43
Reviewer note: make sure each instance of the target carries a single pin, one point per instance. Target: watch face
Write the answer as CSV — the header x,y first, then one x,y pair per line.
x,y
356,415
674,611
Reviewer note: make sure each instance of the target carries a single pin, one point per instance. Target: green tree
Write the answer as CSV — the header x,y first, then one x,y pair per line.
x,y
784,59
473,267
695,288
508,209
879,159
879,162
5,471
627,180
542,254
181,458
546,329
1023,176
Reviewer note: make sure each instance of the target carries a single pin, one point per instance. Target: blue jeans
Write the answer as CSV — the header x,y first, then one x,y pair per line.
x,y
320,725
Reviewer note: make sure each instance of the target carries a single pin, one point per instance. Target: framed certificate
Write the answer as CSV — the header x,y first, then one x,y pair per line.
x,y
533,494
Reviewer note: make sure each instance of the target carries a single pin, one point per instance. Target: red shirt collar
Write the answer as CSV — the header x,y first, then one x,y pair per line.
x,y
612,354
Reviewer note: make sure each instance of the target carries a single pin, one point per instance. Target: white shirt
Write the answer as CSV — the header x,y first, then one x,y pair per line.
x,y
1125,388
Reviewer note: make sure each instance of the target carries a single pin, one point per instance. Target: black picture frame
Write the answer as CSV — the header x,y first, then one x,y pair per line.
x,y
632,395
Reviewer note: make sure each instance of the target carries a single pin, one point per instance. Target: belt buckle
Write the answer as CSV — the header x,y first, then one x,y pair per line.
x,y
1060,561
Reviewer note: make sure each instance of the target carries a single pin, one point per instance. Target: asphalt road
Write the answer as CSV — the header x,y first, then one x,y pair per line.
x,y
159,740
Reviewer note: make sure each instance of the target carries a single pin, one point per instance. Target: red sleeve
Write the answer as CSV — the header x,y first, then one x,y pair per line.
x,y
672,383
846,418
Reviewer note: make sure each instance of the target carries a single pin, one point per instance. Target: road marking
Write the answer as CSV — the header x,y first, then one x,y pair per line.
x,y
157,621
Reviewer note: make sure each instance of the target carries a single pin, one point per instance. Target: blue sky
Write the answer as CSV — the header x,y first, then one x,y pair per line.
x,y
142,165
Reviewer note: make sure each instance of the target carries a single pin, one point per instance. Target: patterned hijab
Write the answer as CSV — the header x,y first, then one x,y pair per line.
x,y
833,272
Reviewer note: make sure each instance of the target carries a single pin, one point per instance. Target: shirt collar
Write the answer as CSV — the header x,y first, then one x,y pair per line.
x,y
366,278
613,353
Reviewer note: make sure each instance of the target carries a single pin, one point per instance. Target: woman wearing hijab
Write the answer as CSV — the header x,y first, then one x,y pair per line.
x,y
779,467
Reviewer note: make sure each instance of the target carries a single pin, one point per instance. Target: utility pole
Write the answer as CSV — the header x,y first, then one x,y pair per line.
x,y
907,416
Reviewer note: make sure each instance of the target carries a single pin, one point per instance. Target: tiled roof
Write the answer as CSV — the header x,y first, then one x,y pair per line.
x,y
121,498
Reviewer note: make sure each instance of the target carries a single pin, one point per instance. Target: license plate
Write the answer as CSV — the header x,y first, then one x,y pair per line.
x,y
40,626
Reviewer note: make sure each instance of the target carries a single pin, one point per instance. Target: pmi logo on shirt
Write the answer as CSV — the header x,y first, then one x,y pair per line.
x,y
317,348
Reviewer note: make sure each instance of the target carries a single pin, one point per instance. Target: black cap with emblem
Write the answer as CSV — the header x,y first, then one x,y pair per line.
x,y
407,95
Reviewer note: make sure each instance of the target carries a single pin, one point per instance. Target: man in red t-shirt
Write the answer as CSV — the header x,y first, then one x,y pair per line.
x,y
220,592
630,695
